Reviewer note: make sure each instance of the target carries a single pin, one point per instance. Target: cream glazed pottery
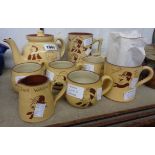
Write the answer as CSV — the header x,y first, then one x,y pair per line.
x,y
84,88
80,44
22,70
126,81
40,48
92,63
36,100
57,72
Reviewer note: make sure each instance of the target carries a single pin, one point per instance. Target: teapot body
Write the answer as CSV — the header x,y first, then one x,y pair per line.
x,y
43,49
40,48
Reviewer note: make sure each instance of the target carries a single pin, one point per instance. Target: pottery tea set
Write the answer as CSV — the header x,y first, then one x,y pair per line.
x,y
83,79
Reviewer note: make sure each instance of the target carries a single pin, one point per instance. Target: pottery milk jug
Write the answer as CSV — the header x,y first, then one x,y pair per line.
x,y
36,100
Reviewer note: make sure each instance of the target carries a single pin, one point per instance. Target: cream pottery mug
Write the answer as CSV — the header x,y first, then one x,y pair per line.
x,y
25,69
57,72
92,63
126,81
36,101
84,88
80,45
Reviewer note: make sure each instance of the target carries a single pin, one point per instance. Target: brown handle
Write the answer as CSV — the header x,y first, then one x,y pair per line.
x,y
98,51
62,46
110,83
60,94
148,78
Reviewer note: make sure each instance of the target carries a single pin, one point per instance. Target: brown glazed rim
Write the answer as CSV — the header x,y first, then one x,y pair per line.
x,y
79,33
26,63
31,80
83,83
60,61
120,66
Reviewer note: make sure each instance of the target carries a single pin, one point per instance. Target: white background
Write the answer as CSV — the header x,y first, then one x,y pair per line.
x,y
19,35
77,14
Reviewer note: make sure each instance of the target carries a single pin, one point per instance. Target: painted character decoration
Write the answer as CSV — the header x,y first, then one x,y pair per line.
x,y
123,80
37,100
78,48
34,55
89,97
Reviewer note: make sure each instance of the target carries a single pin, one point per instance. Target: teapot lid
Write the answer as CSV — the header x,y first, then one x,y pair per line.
x,y
40,36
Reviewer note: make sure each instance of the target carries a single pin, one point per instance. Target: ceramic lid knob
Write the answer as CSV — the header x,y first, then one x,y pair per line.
x,y
40,33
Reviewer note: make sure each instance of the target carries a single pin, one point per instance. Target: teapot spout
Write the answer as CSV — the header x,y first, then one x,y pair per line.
x,y
16,53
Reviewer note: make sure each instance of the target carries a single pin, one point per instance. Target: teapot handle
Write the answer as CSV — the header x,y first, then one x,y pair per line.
x,y
60,94
62,46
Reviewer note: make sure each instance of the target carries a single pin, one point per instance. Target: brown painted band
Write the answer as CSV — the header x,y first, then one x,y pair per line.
x,y
79,33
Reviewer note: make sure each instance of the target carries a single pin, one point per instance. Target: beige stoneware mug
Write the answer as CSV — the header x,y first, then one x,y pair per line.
x,y
80,45
36,101
25,69
126,81
84,88
57,72
92,63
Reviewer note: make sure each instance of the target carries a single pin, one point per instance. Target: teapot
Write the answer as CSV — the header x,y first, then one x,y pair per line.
x,y
41,48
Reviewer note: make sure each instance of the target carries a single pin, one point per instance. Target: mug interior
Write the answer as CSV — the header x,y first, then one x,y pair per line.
x,y
33,80
61,64
27,67
83,77
94,59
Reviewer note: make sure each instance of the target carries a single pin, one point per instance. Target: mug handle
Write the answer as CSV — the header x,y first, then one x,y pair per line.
x,y
43,68
62,46
148,78
60,94
79,64
98,52
104,78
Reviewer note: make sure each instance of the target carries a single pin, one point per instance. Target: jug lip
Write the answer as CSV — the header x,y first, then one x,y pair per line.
x,y
26,63
32,81
81,82
79,33
36,38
